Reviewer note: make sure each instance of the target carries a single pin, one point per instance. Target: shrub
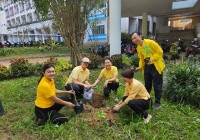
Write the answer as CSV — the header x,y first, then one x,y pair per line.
x,y
62,65
95,59
117,60
125,38
19,67
35,69
4,72
182,83
134,60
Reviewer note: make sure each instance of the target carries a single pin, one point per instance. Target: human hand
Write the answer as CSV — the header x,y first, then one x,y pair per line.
x,y
137,68
87,86
105,84
72,92
70,105
116,108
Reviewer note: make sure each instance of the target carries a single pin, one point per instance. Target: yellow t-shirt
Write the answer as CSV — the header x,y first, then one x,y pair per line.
x,y
79,75
45,90
109,74
135,90
151,49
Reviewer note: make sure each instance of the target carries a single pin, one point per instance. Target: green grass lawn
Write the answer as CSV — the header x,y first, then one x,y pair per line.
x,y
171,121
35,52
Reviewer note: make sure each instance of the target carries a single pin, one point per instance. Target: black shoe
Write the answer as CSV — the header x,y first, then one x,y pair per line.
x,y
156,106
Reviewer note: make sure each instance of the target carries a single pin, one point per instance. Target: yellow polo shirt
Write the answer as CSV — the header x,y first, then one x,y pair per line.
x,y
45,90
135,90
151,49
109,74
79,75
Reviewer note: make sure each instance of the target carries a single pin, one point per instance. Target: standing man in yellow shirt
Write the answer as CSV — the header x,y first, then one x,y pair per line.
x,y
152,65
78,79
110,73
135,96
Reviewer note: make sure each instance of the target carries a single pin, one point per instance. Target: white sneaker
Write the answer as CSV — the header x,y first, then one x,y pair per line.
x,y
147,119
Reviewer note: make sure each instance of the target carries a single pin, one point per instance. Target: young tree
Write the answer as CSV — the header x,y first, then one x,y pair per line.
x,y
70,20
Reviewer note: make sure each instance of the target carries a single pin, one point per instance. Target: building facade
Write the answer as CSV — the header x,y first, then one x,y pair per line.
x,y
19,22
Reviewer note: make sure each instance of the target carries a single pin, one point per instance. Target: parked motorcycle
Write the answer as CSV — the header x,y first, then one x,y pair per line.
x,y
165,46
193,48
181,47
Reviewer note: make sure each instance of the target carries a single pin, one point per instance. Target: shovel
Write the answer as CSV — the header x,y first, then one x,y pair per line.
x,y
78,108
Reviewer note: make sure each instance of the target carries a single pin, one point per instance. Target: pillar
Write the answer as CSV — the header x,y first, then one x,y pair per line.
x,y
115,26
144,24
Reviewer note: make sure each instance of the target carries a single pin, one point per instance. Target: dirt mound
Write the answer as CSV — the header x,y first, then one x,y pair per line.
x,y
97,101
97,112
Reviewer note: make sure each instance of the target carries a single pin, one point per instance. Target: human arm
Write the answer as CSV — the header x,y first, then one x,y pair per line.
x,y
64,91
157,51
60,101
97,81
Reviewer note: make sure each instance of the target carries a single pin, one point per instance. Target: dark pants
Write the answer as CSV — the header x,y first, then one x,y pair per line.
x,y
151,75
51,113
111,86
139,106
79,90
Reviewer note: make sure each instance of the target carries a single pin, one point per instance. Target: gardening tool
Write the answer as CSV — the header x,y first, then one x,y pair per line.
x,y
78,108
1,108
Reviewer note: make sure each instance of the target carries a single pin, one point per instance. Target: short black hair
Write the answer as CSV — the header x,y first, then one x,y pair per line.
x,y
107,58
138,33
128,73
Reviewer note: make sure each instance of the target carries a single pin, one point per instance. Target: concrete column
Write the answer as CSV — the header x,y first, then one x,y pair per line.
x,y
151,24
115,26
144,24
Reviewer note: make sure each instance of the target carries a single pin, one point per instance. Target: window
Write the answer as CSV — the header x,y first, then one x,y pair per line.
x,y
16,9
21,7
98,30
18,21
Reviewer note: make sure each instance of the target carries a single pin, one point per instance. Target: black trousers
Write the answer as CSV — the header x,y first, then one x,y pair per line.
x,y
151,75
111,86
79,90
139,106
51,113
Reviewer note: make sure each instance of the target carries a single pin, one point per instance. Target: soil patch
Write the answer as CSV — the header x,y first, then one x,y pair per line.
x,y
97,112
97,101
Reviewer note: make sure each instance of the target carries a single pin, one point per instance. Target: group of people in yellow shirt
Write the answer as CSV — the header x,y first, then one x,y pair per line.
x,y
136,96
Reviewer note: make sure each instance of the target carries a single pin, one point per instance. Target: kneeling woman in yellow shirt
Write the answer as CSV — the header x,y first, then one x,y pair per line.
x,y
135,96
110,73
47,104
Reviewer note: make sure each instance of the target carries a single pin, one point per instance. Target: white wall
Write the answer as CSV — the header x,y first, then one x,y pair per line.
x,y
125,25
162,25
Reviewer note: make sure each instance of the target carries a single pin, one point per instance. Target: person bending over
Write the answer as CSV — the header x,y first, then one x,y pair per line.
x,y
135,96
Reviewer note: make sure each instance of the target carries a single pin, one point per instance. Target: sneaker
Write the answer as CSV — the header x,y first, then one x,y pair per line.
x,y
156,106
147,119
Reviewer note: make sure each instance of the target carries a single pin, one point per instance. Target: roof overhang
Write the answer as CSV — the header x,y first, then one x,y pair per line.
x,y
131,8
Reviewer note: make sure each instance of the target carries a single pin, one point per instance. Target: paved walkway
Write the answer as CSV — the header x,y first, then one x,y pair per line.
x,y
6,62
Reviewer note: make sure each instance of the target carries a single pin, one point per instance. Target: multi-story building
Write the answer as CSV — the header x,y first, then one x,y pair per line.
x,y
21,23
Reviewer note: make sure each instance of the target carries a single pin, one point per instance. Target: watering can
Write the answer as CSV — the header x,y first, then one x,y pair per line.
x,y
87,95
